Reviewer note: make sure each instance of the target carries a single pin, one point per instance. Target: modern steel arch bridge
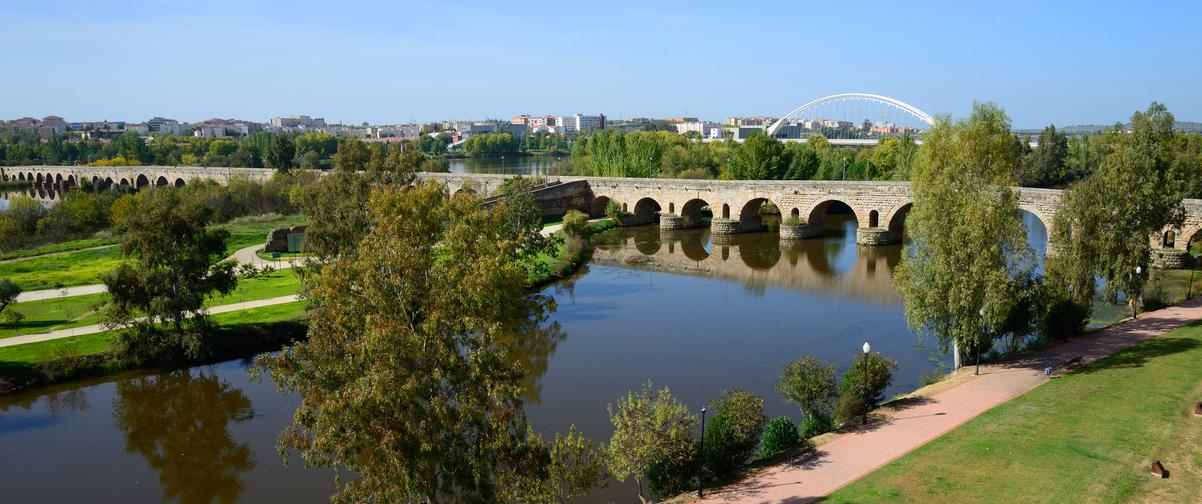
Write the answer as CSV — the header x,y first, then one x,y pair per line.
x,y
891,110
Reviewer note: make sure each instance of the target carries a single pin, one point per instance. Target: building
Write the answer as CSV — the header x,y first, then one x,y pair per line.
x,y
701,128
578,123
220,128
750,121
302,122
163,126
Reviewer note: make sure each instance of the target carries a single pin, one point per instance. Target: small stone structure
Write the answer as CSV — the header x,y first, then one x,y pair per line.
x,y
724,227
285,239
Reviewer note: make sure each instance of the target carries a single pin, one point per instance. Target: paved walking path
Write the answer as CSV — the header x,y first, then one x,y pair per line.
x,y
95,328
247,255
852,455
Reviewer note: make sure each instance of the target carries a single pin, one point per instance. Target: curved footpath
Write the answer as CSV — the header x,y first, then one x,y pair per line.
x,y
849,456
247,255
96,328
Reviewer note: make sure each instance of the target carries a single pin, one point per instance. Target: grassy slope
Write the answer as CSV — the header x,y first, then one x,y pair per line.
x,y
85,267
1086,437
77,311
59,247
100,342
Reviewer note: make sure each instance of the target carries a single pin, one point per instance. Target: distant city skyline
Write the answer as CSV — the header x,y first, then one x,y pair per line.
x,y
1066,63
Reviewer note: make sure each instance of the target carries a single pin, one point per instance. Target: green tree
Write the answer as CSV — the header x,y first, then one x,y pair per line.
x,y
967,242
761,157
352,155
863,386
810,384
733,432
280,153
9,290
435,277
650,428
172,274
1103,228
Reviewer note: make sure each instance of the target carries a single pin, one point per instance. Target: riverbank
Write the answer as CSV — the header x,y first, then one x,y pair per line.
x,y
1112,362
242,333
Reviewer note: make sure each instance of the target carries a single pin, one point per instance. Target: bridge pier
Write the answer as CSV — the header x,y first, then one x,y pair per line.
x,y
800,231
720,227
1169,258
876,236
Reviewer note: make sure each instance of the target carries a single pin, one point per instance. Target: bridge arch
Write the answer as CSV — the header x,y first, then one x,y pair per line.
x,y
70,180
179,182
40,180
1190,234
851,97
692,210
874,218
141,181
817,213
21,177
58,179
597,207
161,181
751,216
897,219
646,211
124,181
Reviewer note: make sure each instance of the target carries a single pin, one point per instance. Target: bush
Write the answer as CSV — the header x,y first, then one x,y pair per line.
x,y
574,223
734,431
779,435
815,424
853,389
653,438
1063,318
810,384
614,211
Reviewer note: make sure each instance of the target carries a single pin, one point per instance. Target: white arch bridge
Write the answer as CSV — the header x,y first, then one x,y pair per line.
x,y
862,117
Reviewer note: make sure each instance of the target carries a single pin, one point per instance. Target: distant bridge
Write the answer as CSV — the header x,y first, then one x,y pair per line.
x,y
135,176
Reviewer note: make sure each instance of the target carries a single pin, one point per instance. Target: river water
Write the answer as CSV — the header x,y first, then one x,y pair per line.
x,y
681,309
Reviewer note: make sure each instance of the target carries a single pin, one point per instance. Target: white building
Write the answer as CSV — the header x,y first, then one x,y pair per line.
x,y
579,123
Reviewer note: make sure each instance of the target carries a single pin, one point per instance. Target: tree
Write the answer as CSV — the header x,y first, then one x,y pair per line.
x,y
9,290
759,158
1103,228
810,384
280,153
650,427
404,378
352,155
967,243
863,385
170,278
1045,165
734,431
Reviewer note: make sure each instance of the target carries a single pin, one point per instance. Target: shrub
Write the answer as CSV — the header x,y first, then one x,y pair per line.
x,y
652,430
856,396
1063,318
575,223
780,434
810,384
614,211
13,318
815,424
734,431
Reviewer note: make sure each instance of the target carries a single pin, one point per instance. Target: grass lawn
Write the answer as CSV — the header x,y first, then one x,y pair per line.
x,y
78,311
95,343
84,267
76,268
1086,437
252,230
59,247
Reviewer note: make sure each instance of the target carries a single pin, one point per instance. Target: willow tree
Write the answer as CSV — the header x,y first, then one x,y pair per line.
x,y
406,379
1105,227
968,249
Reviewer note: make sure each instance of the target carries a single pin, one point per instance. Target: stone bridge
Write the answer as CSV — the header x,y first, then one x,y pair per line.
x,y
737,206
136,176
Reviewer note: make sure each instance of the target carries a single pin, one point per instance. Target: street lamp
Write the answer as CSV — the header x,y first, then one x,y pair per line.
x,y
1132,296
864,381
985,330
701,455
1193,261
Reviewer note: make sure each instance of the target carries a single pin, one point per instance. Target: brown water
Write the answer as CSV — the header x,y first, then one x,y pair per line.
x,y
675,308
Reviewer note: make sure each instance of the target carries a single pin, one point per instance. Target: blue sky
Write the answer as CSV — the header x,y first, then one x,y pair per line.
x,y
383,62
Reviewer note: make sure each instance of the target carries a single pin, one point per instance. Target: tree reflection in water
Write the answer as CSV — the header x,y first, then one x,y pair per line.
x,y
531,343
179,422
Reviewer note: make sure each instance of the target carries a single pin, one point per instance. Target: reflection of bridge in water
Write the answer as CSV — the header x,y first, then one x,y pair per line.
x,y
834,266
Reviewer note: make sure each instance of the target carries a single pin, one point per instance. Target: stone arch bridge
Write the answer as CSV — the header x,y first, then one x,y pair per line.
x,y
737,206
135,176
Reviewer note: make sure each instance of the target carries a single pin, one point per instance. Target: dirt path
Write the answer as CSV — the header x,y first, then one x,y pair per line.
x,y
849,456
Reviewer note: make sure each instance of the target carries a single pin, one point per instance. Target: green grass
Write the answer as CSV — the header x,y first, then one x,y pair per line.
x,y
76,268
1086,437
59,247
85,266
78,311
100,342
252,230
